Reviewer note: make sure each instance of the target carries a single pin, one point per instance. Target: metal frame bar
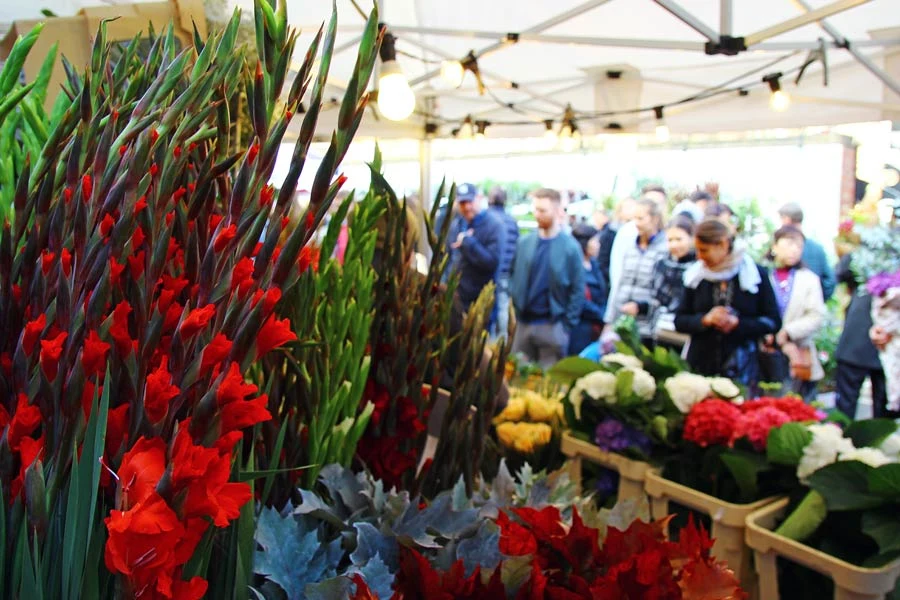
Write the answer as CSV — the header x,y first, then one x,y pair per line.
x,y
864,60
689,19
726,17
543,25
801,20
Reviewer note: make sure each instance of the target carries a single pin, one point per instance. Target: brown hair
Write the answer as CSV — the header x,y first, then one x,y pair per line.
x,y
550,194
653,209
713,231
686,224
790,232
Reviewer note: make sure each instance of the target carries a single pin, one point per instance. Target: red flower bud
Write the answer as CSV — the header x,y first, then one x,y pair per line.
x,y
119,329
284,221
215,352
252,152
266,195
93,356
272,334
51,350
86,187
67,194
196,320
159,391
177,195
137,238
47,259
153,170
273,295
191,187
224,237
32,333
176,152
256,249
136,263
65,259
123,150
115,271
140,205
106,225
192,147
169,217
154,135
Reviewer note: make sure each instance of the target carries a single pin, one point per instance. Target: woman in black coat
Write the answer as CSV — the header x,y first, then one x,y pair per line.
x,y
728,306
591,323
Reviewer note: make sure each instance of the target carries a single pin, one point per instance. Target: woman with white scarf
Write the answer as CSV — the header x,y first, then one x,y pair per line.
x,y
728,306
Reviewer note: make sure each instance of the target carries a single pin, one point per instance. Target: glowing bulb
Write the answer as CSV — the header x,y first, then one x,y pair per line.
x,y
568,143
779,101
662,132
466,130
452,73
566,131
396,100
549,134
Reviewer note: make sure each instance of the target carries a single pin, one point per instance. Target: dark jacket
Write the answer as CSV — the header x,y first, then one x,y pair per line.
x,y
509,246
710,350
591,322
816,261
479,255
668,283
855,346
566,277
606,237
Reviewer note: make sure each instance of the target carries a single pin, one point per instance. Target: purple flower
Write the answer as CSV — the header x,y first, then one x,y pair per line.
x,y
881,283
611,435
607,483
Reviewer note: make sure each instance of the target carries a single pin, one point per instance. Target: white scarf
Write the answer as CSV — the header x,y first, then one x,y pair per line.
x,y
740,264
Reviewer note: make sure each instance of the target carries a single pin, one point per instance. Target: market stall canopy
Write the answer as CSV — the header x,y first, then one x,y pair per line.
x,y
615,61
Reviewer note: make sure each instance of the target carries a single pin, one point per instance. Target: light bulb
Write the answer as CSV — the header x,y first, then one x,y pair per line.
x,y
779,101
662,132
452,73
566,131
568,143
549,133
467,130
396,100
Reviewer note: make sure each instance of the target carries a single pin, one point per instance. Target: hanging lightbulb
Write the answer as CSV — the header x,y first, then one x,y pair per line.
x,y
569,136
779,101
662,130
452,73
396,100
548,130
467,130
481,129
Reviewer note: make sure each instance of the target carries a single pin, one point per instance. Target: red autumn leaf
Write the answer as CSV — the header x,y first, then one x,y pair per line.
x,y
32,333
272,334
196,320
159,391
362,591
709,580
119,329
215,352
51,351
224,237
515,540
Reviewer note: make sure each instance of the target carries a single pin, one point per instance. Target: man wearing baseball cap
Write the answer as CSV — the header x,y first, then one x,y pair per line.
x,y
479,242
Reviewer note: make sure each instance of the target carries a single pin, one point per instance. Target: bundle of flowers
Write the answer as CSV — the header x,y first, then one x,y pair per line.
x,y
687,389
722,450
849,504
529,420
137,286
362,542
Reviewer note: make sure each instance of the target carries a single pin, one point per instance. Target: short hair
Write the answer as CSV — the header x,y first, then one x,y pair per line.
x,y
682,222
653,187
700,196
789,232
549,194
498,196
583,233
792,211
653,208
717,210
713,231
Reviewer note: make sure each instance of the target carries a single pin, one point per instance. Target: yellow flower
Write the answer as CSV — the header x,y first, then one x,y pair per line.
x,y
514,411
543,410
524,437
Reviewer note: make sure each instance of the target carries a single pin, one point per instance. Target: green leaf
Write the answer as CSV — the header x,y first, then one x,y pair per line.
x,y
806,518
885,481
870,432
745,469
569,369
785,444
883,526
845,486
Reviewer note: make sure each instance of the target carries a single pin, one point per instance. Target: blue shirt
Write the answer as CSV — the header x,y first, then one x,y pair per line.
x,y
538,306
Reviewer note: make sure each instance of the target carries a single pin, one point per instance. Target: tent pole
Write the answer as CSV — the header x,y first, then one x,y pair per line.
x,y
801,20
689,19
859,56
725,17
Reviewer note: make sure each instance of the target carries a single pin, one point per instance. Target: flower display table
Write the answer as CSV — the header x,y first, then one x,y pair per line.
x,y
727,521
851,582
631,472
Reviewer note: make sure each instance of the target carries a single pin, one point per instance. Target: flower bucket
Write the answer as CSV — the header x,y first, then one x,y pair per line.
x,y
631,472
727,521
851,582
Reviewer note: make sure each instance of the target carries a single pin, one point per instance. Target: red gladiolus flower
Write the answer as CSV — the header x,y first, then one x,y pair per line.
x,y
32,333
266,195
256,249
273,295
136,264
119,329
140,205
272,334
309,257
179,193
142,468
224,237
176,151
47,259
196,587
86,187
24,421
106,225
65,259
115,271
233,388
196,320
159,391
67,195
310,219
215,352
138,237
154,170
240,415
252,152
173,315
284,221
93,356
51,350
176,284
30,450
154,135
123,150
170,216
212,496
242,276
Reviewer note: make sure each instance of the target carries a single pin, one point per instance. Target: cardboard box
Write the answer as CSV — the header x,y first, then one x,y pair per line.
x,y
75,34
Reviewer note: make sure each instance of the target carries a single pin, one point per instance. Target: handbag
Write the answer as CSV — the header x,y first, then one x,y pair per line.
x,y
774,366
800,359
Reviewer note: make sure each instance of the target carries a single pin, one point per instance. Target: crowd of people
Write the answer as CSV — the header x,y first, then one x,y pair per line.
x,y
682,274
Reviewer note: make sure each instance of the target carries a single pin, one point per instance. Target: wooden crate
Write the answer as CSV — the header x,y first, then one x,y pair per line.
x,y
631,472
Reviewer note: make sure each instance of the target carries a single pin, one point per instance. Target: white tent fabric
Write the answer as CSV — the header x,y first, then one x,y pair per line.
x,y
566,47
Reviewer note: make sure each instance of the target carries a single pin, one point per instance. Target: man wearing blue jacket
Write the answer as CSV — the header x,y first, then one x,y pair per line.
x,y
480,246
504,270
547,284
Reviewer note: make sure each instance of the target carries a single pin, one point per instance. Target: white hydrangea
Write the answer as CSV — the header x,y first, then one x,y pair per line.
x,y
870,456
687,389
644,386
623,360
599,385
891,446
827,443
724,387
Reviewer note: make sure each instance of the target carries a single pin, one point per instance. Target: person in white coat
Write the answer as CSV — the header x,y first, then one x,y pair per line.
x,y
802,307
